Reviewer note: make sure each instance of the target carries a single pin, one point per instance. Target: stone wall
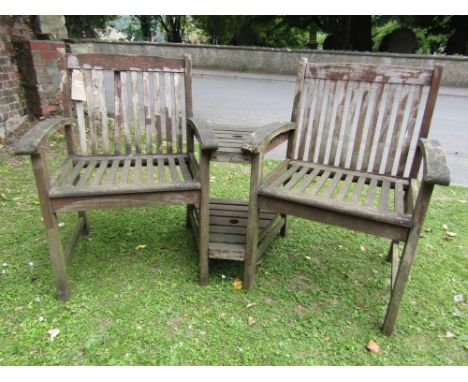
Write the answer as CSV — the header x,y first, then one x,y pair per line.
x,y
271,60
13,106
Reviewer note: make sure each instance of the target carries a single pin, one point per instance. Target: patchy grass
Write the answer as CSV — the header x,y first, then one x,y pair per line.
x,y
319,298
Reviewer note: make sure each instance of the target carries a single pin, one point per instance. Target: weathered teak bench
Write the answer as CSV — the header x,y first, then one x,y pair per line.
x,y
355,145
129,157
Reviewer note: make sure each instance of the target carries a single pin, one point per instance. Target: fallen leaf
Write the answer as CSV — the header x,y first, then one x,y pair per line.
x,y
223,276
373,346
308,258
251,321
60,225
140,246
458,298
251,304
53,333
445,226
363,249
451,234
41,318
237,283
202,333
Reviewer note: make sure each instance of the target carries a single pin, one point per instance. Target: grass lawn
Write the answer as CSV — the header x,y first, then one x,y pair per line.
x,y
319,297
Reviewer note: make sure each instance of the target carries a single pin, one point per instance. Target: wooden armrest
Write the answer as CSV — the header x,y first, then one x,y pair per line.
x,y
436,170
30,143
259,140
205,135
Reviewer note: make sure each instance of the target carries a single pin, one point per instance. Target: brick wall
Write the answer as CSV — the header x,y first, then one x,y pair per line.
x,y
37,61
13,107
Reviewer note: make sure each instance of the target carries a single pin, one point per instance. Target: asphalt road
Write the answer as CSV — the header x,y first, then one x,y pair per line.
x,y
255,99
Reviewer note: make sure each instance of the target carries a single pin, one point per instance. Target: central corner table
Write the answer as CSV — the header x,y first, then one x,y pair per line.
x,y
229,217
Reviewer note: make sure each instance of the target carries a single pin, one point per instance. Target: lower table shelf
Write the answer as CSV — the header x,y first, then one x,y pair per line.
x,y
228,228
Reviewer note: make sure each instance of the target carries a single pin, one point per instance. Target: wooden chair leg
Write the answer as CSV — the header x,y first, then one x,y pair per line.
x,y
204,222
406,261
85,230
188,222
284,228
251,247
390,251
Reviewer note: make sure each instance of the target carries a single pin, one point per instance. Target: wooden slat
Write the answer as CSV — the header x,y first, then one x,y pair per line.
x,y
100,172
168,110
352,109
333,184
85,177
120,62
137,123
317,186
137,172
295,179
371,192
112,173
157,112
117,115
125,116
185,169
161,173
149,170
372,127
338,121
101,89
367,73
178,113
404,93
330,103
316,120
360,127
309,101
76,170
188,86
344,188
399,198
383,205
413,115
125,171
384,129
81,127
358,190
173,169
147,112
307,180
90,108
284,177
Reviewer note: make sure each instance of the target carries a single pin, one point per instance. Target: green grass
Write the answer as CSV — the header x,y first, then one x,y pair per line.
x,y
319,298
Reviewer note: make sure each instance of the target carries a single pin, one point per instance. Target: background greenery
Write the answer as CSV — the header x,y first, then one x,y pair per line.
x,y
434,34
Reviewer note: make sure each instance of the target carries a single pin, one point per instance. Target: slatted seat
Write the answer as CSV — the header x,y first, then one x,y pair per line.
x,y
125,120
356,141
340,190
97,175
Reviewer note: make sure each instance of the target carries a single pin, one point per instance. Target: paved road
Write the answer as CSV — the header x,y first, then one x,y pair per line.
x,y
229,97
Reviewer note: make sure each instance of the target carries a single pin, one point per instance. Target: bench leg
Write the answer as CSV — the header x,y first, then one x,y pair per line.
x,y
390,251
204,217
56,254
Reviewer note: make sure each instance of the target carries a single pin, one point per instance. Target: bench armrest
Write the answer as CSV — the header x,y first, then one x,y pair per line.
x,y
435,170
31,142
259,140
205,135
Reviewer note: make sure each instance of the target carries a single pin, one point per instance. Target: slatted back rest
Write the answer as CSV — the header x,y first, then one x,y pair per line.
x,y
126,104
364,117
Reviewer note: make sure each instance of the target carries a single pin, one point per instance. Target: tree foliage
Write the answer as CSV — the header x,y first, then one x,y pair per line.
x,y
85,26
